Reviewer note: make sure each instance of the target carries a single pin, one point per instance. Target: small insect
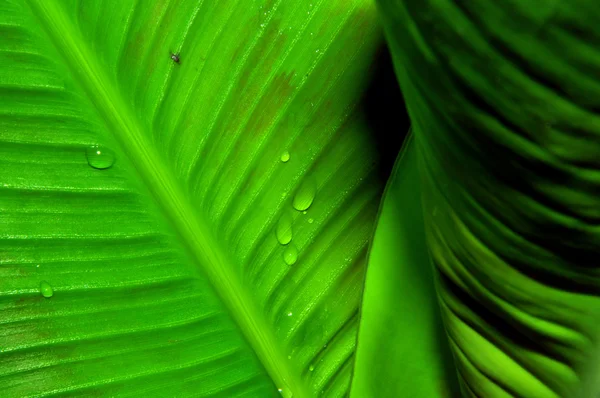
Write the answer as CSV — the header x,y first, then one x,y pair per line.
x,y
175,58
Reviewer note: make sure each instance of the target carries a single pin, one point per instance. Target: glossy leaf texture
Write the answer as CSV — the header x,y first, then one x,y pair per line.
x,y
504,100
402,347
183,225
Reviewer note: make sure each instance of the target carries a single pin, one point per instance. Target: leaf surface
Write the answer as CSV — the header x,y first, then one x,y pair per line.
x,y
402,349
504,100
141,197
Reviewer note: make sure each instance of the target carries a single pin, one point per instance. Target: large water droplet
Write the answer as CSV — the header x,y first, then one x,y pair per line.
x,y
46,289
285,156
283,231
99,157
305,195
290,254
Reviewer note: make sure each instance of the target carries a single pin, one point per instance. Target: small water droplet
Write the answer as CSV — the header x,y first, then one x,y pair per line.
x,y
317,50
311,368
290,314
285,391
289,357
46,289
285,157
37,266
290,255
283,231
305,195
311,220
99,157
262,25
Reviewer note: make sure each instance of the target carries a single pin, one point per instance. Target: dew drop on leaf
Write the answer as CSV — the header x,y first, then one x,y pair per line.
x,y
285,157
305,195
99,157
311,368
283,231
290,254
310,220
46,289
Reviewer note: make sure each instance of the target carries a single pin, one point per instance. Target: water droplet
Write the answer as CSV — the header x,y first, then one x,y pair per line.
x,y
283,231
304,212
289,357
311,368
99,157
37,266
46,289
285,157
290,255
305,195
285,391
317,50
311,220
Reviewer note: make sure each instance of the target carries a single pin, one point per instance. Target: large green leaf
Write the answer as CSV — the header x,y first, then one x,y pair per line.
x,y
142,200
504,97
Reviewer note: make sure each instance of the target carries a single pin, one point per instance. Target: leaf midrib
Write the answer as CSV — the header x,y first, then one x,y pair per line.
x,y
160,181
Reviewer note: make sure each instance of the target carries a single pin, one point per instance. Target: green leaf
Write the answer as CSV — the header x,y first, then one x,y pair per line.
x,y
140,196
402,348
504,102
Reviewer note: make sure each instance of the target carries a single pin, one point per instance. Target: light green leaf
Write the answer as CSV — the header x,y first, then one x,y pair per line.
x,y
504,100
140,197
402,348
